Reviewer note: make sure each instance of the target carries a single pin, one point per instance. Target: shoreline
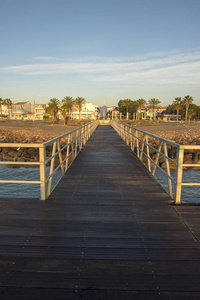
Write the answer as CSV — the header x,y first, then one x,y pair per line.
x,y
39,132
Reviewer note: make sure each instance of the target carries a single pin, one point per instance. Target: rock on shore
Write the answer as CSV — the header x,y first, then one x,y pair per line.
x,y
22,132
28,133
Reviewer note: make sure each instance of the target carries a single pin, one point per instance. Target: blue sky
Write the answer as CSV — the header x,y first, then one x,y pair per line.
x,y
102,50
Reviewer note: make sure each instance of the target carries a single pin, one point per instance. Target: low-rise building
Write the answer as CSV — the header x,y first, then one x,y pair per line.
x,y
89,111
149,113
5,110
40,111
21,109
103,111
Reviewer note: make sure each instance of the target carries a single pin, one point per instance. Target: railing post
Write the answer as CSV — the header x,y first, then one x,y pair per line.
x,y
86,133
60,157
67,152
89,130
142,147
133,133
157,158
179,173
126,132
76,143
168,170
137,143
131,138
43,184
148,154
51,168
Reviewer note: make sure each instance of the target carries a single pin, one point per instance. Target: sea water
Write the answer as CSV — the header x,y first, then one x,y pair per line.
x,y
189,194
13,190
22,190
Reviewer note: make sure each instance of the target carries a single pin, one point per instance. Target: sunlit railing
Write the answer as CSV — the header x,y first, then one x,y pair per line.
x,y
139,141
58,152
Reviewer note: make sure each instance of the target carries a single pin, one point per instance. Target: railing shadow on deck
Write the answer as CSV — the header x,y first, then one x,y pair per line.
x,y
58,153
144,143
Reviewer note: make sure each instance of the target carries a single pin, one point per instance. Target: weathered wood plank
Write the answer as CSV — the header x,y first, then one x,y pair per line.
x,y
106,232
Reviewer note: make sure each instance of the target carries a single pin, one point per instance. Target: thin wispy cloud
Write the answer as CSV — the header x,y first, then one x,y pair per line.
x,y
47,58
187,73
161,67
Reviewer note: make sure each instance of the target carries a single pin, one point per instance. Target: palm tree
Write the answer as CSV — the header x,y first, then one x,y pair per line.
x,y
177,104
79,102
127,103
53,107
187,101
141,103
191,112
153,104
67,104
9,104
98,112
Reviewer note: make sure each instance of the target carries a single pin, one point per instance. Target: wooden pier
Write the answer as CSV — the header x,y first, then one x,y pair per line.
x,y
106,232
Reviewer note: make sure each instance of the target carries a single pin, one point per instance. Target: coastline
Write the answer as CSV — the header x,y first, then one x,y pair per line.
x,y
39,132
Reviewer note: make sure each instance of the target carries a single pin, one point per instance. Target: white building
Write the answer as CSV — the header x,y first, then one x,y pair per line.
x,y
89,111
20,110
5,110
149,113
40,111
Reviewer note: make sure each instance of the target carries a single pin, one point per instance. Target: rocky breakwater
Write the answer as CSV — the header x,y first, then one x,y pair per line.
x,y
26,154
190,156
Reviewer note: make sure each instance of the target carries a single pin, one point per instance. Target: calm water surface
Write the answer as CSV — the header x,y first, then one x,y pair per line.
x,y
189,194
23,190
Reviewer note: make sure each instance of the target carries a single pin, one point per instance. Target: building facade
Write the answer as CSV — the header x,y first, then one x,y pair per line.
x,y
89,111
20,110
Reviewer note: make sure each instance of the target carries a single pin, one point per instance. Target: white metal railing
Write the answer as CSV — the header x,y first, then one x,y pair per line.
x,y
139,141
64,147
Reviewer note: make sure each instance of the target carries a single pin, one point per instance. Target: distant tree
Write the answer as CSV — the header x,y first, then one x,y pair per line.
x,y
169,109
177,103
197,110
98,112
53,108
133,108
187,100
63,110
127,107
127,103
141,103
154,104
79,102
66,108
7,102
122,109
191,113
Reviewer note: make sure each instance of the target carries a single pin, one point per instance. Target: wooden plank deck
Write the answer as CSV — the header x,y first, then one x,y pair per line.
x,y
106,232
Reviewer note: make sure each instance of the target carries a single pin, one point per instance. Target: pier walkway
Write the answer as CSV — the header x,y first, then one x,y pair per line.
x,y
106,232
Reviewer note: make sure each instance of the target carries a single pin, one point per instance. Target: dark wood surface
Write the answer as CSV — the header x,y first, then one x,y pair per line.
x,y
106,232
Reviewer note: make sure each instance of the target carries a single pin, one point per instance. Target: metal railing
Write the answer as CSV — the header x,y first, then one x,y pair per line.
x,y
141,142
63,148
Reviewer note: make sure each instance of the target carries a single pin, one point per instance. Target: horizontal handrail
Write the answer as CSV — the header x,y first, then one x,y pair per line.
x,y
64,135
64,147
150,134
138,140
21,145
